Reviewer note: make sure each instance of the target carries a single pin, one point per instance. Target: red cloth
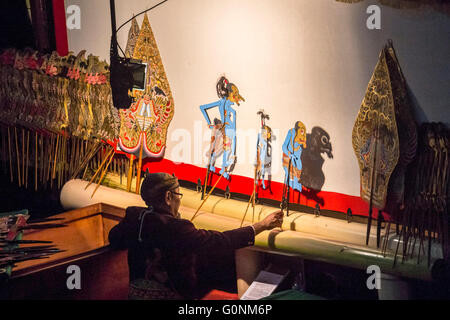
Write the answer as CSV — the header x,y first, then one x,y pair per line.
x,y
220,295
59,14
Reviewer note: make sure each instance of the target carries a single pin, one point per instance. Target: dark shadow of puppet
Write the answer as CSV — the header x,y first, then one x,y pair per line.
x,y
312,177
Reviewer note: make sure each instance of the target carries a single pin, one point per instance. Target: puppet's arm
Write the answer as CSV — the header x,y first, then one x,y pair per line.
x,y
205,107
233,118
286,143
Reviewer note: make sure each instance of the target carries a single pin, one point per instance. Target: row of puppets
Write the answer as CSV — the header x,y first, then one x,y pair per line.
x,y
58,122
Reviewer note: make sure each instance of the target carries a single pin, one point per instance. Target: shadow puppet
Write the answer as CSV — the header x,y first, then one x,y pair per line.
x,y
229,95
264,153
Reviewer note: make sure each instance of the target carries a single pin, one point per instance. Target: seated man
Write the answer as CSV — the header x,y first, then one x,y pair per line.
x,y
164,251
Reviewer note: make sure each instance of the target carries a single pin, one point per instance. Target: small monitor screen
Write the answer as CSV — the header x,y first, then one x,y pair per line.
x,y
139,71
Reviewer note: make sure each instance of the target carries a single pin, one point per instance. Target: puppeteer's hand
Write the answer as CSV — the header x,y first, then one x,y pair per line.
x,y
273,220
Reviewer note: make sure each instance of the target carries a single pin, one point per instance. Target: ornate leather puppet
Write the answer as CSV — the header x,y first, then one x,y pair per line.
x,y
425,214
19,110
39,87
33,63
407,132
89,80
104,111
133,35
26,118
52,99
73,74
95,79
228,94
76,87
62,120
7,76
375,137
146,122
293,146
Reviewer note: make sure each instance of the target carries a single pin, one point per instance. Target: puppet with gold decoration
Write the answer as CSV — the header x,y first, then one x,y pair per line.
x,y
143,127
55,112
375,138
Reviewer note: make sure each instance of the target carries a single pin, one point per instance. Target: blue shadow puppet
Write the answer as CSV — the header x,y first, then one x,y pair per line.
x,y
228,94
293,146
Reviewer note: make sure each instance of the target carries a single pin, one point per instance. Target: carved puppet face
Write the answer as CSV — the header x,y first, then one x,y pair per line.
x,y
267,133
300,132
234,95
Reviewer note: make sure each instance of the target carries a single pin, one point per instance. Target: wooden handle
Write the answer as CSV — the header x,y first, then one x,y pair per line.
x,y
130,172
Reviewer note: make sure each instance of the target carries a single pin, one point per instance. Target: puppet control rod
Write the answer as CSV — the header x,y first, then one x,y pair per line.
x,y
373,176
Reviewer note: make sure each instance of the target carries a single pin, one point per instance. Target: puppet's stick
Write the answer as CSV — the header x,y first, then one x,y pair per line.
x,y
251,200
41,158
36,163
254,195
104,172
27,162
139,168
53,174
99,168
70,154
59,161
386,238
207,196
23,156
10,155
67,157
77,155
84,172
61,166
17,157
373,176
120,170
87,156
130,172
206,182
97,160
285,202
48,163
3,143
4,152
248,205
50,150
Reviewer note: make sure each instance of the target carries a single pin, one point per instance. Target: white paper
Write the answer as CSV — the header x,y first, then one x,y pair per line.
x,y
263,286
